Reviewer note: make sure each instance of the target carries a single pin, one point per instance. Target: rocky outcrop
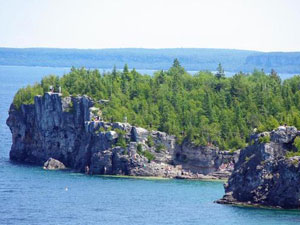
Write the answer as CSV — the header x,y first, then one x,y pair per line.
x,y
205,160
263,175
53,164
64,129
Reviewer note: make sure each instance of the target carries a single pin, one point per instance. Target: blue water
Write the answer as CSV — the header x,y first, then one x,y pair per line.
x,y
30,195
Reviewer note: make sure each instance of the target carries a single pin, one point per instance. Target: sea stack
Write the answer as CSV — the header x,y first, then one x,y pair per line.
x,y
264,174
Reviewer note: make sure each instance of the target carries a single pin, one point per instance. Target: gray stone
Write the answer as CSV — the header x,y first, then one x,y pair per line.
x,y
284,134
111,135
264,175
139,134
61,128
53,164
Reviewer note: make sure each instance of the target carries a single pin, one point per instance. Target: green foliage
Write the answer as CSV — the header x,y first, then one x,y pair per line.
x,y
202,108
145,153
26,95
220,72
121,138
101,129
150,141
139,148
160,147
291,153
50,80
296,144
148,155
264,139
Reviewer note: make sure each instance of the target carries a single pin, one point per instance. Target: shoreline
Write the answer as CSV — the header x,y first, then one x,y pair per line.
x,y
252,205
71,171
158,178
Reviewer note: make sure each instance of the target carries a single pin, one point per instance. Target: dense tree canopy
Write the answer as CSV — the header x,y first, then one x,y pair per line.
x,y
204,108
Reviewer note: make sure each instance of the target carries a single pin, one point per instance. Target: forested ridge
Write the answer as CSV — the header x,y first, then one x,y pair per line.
x,y
193,59
205,108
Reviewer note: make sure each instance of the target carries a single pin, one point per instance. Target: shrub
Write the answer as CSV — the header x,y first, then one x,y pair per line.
x,y
145,153
121,142
139,148
121,138
297,143
264,139
26,95
101,129
297,146
150,141
160,147
148,155
291,153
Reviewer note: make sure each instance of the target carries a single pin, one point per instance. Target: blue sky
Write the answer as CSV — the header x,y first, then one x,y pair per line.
x,y
265,25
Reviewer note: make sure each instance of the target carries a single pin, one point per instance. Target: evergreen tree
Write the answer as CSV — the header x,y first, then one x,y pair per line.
x,y
220,72
202,108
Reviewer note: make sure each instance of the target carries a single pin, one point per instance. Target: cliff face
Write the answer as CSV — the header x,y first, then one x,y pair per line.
x,y
264,175
62,129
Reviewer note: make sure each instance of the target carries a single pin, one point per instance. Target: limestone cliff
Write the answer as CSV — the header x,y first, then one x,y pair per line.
x,y
63,129
263,175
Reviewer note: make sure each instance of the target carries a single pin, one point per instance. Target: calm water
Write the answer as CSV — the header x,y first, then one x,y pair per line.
x,y
30,195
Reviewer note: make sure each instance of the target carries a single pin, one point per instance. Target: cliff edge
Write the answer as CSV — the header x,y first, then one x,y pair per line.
x,y
63,128
264,175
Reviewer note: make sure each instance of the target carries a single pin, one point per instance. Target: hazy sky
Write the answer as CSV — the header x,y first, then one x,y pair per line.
x,y
266,25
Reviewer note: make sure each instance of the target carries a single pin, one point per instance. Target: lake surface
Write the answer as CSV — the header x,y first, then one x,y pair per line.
x,y
30,195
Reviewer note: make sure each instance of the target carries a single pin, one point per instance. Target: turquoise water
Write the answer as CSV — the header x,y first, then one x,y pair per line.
x,y
30,195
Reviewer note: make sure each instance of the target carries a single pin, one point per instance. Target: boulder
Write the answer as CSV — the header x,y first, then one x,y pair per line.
x,y
53,164
284,134
111,135
139,134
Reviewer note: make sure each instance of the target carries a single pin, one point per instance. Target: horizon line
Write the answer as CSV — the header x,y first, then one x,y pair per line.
x,y
136,48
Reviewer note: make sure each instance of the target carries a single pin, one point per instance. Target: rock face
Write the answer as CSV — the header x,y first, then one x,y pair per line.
x,y
205,160
53,164
63,129
264,176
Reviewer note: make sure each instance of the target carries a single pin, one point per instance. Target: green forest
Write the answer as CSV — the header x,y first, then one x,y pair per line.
x,y
205,108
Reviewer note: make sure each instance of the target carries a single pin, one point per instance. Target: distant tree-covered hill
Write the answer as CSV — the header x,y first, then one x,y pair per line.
x,y
190,58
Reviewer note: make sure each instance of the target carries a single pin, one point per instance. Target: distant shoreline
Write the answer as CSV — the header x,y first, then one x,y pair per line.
x,y
142,71
193,59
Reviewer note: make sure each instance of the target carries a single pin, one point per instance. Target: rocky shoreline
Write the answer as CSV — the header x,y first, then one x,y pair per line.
x,y
264,176
64,128
62,133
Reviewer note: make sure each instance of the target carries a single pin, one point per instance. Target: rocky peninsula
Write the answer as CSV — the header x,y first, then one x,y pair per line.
x,y
60,132
264,175
65,132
